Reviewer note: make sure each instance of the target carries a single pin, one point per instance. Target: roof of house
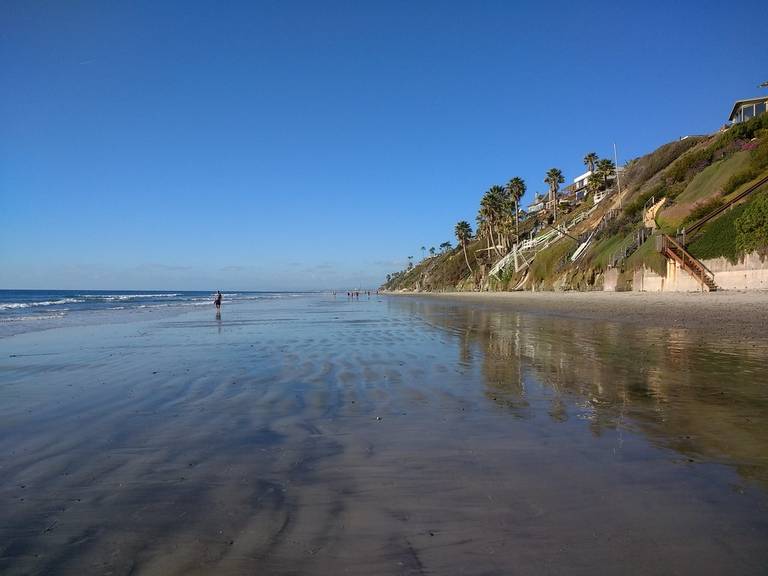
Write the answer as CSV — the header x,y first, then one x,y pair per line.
x,y
745,101
585,175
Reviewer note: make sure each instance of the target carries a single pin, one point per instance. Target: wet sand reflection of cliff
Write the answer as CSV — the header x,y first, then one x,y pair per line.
x,y
694,393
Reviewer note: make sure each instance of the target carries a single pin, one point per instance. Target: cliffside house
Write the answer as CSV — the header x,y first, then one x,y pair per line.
x,y
749,108
580,182
537,205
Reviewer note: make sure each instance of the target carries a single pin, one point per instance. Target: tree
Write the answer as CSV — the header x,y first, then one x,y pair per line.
x,y
605,168
463,233
432,251
554,179
423,252
445,246
516,191
595,182
490,217
589,161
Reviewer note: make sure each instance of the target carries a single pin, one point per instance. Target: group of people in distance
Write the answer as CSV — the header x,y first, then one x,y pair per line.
x,y
355,294
350,294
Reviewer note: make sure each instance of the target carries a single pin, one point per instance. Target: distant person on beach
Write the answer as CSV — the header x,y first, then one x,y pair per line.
x,y
217,300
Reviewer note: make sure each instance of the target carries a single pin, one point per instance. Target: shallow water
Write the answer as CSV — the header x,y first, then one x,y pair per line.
x,y
381,436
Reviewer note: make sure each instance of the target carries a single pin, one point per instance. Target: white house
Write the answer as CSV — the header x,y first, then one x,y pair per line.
x,y
745,109
580,182
537,205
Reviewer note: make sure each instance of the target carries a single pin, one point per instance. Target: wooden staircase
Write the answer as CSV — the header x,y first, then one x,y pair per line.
x,y
674,251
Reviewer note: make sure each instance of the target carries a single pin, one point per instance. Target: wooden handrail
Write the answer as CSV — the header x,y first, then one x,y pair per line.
x,y
688,262
699,223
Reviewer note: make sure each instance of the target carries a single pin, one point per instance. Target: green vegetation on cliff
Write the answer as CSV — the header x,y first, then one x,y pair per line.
x,y
695,175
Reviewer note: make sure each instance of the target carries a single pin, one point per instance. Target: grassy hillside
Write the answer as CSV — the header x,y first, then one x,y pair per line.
x,y
705,186
720,238
695,175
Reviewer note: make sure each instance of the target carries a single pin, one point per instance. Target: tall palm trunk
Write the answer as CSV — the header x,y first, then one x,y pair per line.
x,y
466,259
496,242
517,219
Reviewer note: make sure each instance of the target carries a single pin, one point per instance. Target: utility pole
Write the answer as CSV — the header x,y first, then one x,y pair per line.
x,y
616,164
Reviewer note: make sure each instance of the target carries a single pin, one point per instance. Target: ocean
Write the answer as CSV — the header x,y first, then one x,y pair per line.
x,y
29,310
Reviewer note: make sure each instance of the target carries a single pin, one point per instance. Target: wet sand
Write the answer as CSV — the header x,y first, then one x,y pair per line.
x,y
740,314
386,436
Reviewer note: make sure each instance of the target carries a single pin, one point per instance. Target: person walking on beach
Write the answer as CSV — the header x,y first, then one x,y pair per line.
x,y
217,300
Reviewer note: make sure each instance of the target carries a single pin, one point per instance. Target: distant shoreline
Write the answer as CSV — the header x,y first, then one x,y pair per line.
x,y
736,314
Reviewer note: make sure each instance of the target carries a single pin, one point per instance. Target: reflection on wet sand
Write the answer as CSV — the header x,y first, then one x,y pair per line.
x,y
380,437
695,393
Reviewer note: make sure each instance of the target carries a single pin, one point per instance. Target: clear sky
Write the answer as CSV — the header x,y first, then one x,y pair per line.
x,y
318,144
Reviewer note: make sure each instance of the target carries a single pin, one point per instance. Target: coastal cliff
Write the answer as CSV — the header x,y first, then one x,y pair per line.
x,y
709,193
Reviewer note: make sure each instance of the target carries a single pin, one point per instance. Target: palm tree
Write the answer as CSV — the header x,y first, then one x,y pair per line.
x,y
423,252
432,251
589,161
484,220
605,167
463,233
501,208
515,191
491,216
595,182
554,179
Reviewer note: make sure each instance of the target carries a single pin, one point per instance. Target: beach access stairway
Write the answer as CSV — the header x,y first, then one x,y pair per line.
x,y
651,208
523,253
671,250
629,246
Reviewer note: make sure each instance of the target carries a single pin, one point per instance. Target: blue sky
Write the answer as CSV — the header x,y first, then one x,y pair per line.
x,y
300,145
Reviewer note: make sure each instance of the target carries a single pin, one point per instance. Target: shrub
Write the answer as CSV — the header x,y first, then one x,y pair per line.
x,y
695,161
752,225
702,209
642,169
758,163
637,205
718,237
747,130
674,190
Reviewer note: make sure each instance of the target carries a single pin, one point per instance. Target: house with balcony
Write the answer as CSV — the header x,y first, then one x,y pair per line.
x,y
743,110
580,182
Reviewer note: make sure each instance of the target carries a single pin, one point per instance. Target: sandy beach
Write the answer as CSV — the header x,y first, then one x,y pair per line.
x,y
461,434
739,314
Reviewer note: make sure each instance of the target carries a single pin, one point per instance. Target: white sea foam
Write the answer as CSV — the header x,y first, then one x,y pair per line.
x,y
128,296
15,305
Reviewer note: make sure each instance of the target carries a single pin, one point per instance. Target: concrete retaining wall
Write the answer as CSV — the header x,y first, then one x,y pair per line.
x,y
749,274
610,279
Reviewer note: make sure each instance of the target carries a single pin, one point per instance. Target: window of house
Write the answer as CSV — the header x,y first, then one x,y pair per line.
x,y
759,108
748,111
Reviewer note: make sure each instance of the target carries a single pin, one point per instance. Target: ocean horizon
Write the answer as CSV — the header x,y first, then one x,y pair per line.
x,y
30,309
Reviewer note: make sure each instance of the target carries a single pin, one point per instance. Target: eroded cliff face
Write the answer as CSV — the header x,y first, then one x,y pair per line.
x,y
676,172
